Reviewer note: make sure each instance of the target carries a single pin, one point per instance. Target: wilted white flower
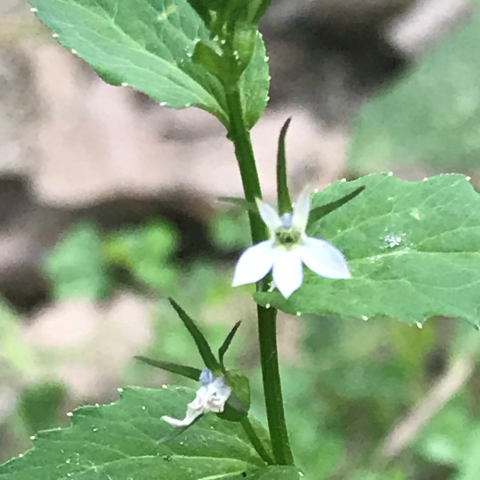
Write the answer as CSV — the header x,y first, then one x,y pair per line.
x,y
211,397
286,249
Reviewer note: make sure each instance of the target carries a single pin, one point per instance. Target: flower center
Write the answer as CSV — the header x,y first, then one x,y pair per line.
x,y
287,237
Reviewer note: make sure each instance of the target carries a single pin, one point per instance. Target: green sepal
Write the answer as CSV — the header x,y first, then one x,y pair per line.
x,y
238,404
200,340
319,212
283,195
226,344
183,370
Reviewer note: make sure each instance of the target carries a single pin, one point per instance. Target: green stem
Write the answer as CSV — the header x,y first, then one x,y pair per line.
x,y
272,387
240,136
255,441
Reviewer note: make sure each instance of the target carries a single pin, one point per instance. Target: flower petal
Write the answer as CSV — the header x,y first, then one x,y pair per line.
x,y
190,417
254,263
175,422
323,258
287,271
211,397
301,211
219,392
269,215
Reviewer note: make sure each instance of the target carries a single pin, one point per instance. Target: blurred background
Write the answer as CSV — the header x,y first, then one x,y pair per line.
x,y
108,205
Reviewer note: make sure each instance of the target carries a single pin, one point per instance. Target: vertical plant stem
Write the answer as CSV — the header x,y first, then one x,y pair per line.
x,y
272,387
240,137
267,331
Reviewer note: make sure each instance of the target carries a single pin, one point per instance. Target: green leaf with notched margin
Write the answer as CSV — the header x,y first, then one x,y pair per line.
x,y
119,442
254,84
413,249
148,45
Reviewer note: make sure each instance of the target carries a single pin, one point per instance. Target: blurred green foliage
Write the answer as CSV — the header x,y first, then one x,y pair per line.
x,y
229,230
146,254
40,405
430,118
77,267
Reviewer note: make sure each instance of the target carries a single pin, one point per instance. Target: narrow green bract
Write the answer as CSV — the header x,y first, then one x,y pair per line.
x,y
412,248
119,441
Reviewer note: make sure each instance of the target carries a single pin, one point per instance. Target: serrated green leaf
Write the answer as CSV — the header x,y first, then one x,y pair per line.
x,y
148,45
412,247
244,42
254,84
119,442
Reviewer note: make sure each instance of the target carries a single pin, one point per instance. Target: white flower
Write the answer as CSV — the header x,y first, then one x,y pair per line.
x,y
286,249
211,397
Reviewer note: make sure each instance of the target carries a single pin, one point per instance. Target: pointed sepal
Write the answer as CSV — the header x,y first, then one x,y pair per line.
x,y
226,345
183,370
200,340
319,212
283,195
